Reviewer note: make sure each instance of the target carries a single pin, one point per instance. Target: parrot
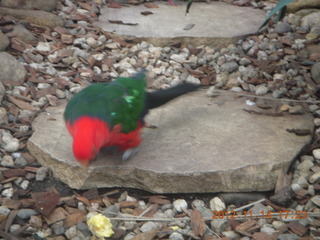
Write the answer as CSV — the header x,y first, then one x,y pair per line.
x,y
112,114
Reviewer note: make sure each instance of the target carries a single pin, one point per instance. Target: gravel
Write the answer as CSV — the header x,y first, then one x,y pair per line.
x,y
64,60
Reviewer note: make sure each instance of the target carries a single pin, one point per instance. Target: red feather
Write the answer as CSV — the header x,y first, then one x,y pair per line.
x,y
91,134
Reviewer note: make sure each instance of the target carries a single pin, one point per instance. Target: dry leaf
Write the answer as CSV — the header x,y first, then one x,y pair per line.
x,y
197,223
21,104
151,5
122,23
45,202
146,13
114,5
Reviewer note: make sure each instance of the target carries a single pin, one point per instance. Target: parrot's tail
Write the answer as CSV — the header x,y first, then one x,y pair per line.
x,y
160,97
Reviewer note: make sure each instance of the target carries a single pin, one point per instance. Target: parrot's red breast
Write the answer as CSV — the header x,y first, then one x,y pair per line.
x,y
91,134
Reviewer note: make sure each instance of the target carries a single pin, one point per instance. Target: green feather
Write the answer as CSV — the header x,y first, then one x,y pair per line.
x,y
117,102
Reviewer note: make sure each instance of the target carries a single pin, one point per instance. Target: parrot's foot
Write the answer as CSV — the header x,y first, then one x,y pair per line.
x,y
129,153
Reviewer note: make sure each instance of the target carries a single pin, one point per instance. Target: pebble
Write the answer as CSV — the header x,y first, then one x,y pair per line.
x,y
314,177
43,47
176,236
229,67
231,234
8,193
42,173
216,204
26,213
261,90
35,221
278,224
219,225
58,228
305,165
4,211
316,200
316,153
180,204
148,226
71,232
282,27
7,161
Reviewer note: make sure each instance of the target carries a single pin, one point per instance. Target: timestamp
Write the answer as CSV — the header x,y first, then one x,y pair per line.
x,y
263,214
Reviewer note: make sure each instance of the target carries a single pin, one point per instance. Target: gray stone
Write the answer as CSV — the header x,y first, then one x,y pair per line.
x,y
26,213
38,17
180,204
148,226
316,200
314,177
315,72
282,27
42,173
216,204
305,165
229,67
232,154
11,69
19,31
231,234
4,41
219,225
212,28
58,228
288,236
111,211
48,5
311,20
176,236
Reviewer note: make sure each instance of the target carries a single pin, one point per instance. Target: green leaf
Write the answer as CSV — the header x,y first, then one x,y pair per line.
x,y
280,7
188,6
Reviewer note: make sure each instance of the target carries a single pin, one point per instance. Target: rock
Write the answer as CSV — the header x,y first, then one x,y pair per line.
x,y
243,21
305,165
35,221
4,212
216,204
8,143
314,177
71,232
219,225
316,200
278,224
231,235
34,16
316,153
26,213
302,4
180,204
311,19
4,41
19,31
261,90
48,5
148,226
288,236
176,236
315,72
7,161
282,27
224,163
43,47
267,228
42,173
229,67
58,228
11,69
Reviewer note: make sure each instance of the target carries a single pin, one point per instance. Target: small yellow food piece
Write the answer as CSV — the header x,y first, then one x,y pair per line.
x,y
100,226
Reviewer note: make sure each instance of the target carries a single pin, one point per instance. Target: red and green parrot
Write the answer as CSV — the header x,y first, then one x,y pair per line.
x,y
112,114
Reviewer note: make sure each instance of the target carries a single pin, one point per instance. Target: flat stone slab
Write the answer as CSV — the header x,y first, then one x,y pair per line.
x,y
218,24
200,144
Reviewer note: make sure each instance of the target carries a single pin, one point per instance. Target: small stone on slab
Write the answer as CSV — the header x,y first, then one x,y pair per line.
x,y
218,24
200,144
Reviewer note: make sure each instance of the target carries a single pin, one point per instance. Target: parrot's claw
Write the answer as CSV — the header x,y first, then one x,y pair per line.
x,y
129,153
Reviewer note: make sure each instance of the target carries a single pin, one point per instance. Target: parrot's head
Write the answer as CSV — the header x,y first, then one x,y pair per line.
x,y
89,136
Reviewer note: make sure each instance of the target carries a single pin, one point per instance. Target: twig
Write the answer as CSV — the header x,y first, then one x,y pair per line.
x,y
249,205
